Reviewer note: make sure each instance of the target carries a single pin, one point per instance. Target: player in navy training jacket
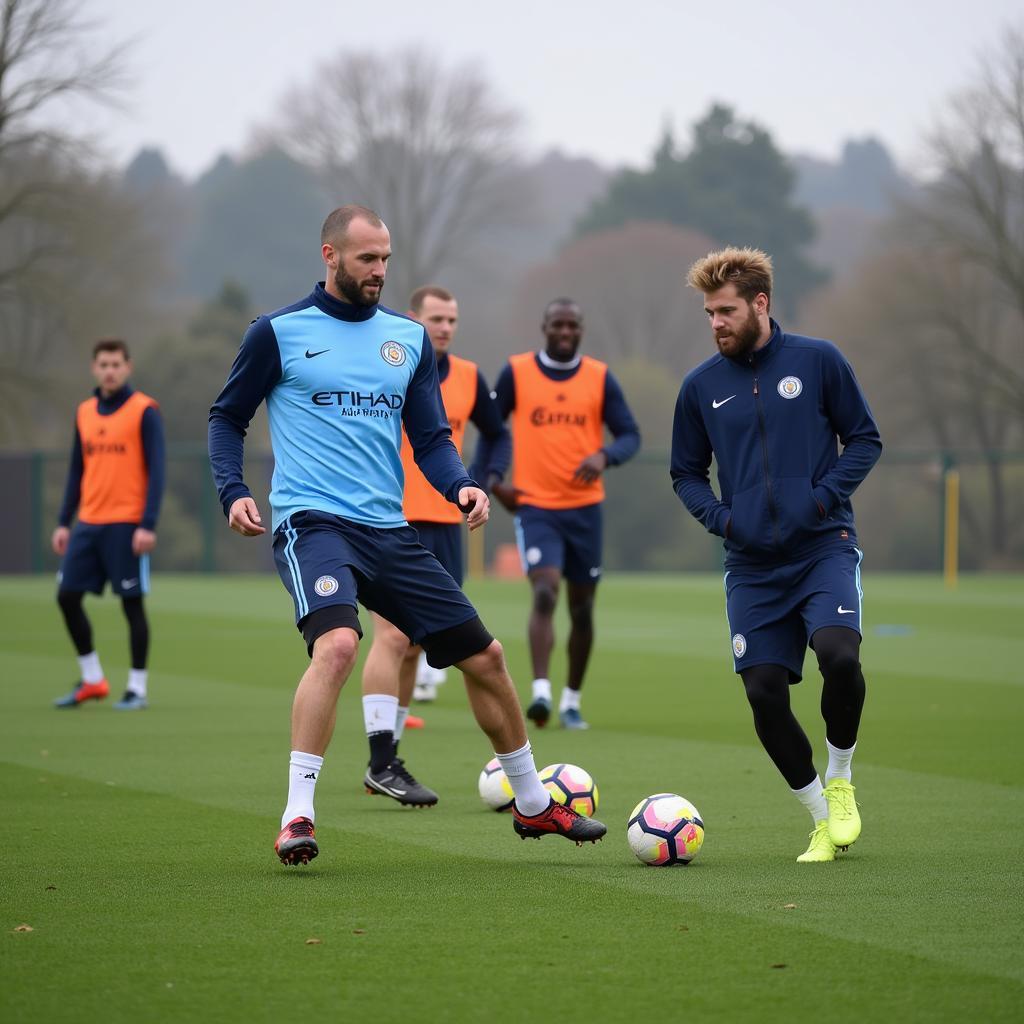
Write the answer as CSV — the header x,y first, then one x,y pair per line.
x,y
773,409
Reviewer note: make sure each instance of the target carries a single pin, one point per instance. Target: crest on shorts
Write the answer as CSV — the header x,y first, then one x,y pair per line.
x,y
392,353
325,586
790,387
739,645
533,556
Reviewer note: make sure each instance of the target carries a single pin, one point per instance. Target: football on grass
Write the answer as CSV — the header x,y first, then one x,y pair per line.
x,y
665,829
495,790
571,785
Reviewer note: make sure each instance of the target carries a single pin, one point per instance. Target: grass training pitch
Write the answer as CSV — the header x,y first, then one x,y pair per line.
x,y
138,846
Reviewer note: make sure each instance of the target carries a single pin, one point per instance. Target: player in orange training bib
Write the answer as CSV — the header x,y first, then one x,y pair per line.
x,y
389,675
560,403
115,482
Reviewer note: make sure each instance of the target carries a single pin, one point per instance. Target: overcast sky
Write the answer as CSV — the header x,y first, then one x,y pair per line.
x,y
597,79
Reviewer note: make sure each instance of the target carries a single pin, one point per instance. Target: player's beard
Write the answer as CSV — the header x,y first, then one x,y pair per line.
x,y
353,290
742,341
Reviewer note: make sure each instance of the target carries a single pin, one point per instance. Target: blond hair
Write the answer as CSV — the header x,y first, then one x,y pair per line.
x,y
749,269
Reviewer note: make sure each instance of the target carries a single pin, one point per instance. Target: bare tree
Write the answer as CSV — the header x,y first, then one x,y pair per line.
x,y
427,147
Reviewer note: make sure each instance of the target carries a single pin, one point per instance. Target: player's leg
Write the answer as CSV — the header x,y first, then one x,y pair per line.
x,y
382,704
768,646
407,676
581,530
833,617
135,697
314,560
542,551
81,571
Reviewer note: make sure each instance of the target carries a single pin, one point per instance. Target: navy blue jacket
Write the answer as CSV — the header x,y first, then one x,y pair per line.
x,y
772,422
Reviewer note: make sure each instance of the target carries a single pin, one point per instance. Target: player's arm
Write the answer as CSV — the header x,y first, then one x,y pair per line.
x,y
618,417
430,437
691,460
851,418
504,395
154,452
72,497
494,447
254,374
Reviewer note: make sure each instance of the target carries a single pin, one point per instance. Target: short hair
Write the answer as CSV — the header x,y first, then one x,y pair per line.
x,y
111,345
562,302
429,291
749,269
336,225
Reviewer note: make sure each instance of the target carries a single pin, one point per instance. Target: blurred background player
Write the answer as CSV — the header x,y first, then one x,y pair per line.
x,y
115,482
772,409
560,403
390,670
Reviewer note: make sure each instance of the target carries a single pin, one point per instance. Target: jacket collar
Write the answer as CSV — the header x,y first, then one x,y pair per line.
x,y
338,309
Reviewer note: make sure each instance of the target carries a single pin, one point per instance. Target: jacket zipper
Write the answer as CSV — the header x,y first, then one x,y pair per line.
x,y
764,454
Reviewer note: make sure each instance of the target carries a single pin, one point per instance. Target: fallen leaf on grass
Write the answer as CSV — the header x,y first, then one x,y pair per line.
x,y
776,967
682,928
789,906
51,888
359,931
314,942
24,928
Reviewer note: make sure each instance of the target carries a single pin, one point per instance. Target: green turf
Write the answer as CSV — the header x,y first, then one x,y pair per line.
x,y
138,846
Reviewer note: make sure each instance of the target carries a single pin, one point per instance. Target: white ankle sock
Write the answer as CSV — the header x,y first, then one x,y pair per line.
x,y
137,681
379,713
813,798
401,714
530,794
303,771
542,688
569,699
89,666
839,762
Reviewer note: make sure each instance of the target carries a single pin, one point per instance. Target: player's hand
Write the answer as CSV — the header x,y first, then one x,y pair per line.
x,y
507,495
244,518
59,540
591,468
143,541
477,506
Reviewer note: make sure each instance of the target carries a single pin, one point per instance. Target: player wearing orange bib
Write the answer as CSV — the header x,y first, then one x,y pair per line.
x,y
115,481
560,403
389,674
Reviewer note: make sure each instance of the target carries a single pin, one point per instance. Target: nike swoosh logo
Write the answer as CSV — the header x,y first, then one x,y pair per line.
x,y
313,355
718,405
128,584
846,611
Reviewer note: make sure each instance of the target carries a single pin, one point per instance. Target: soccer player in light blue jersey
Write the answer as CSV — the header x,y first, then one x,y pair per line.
x,y
341,375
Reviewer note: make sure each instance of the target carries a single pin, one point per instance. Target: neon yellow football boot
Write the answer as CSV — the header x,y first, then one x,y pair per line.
x,y
843,816
821,848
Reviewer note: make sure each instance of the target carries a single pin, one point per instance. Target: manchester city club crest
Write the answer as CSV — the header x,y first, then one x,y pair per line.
x,y
790,387
325,586
392,353
739,645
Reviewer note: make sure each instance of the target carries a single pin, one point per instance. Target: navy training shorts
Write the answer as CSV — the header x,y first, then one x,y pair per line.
x,y
774,610
98,552
567,539
444,542
325,561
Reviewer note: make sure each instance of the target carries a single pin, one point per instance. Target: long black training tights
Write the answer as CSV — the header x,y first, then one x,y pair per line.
x,y
79,627
842,699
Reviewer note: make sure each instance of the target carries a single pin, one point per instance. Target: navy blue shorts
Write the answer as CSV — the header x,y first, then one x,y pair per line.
x,y
567,539
444,542
97,553
325,560
775,610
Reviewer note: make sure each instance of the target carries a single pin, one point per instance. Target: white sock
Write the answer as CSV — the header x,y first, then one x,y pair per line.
x,y
530,795
839,762
137,681
303,770
401,714
542,688
89,666
813,798
379,713
569,699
